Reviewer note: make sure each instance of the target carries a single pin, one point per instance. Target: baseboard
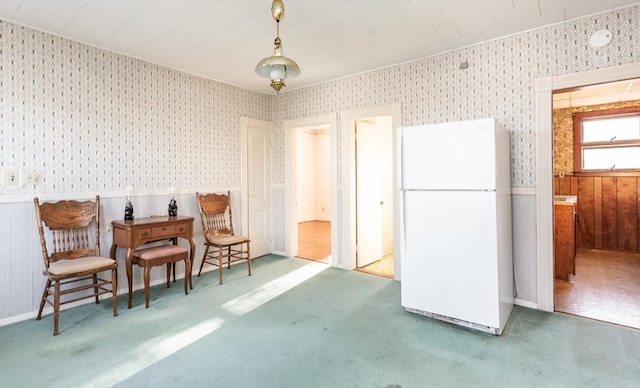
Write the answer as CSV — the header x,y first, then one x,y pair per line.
x,y
121,293
525,303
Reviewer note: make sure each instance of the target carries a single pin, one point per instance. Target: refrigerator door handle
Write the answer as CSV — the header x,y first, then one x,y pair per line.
x,y
403,223
401,197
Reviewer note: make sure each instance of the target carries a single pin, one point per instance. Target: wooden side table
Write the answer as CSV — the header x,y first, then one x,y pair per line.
x,y
132,234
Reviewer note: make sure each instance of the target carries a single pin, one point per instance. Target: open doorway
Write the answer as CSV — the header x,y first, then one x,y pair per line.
x,y
311,189
349,245
374,196
596,212
313,194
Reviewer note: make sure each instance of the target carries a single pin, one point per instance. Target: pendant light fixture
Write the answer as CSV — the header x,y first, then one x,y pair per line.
x,y
277,67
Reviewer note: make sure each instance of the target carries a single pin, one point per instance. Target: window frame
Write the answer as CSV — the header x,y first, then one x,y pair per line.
x,y
578,145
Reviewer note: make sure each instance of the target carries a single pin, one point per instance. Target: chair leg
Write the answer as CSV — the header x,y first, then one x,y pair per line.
x,y
45,294
187,269
229,257
147,271
220,257
95,288
169,275
56,307
189,273
249,258
174,271
114,291
204,257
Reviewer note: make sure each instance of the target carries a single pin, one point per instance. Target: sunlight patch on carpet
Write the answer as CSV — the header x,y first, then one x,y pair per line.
x,y
257,297
153,351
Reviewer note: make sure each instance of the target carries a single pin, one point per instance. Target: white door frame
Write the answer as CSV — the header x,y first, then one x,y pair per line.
x,y
348,168
544,162
245,123
290,191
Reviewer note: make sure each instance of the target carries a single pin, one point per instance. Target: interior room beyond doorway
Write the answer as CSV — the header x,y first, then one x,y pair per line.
x,y
314,241
313,193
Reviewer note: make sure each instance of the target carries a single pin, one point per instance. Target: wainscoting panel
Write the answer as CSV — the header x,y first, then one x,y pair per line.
x,y
524,246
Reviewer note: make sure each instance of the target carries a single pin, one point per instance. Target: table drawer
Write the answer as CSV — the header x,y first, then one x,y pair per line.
x,y
163,231
182,229
144,234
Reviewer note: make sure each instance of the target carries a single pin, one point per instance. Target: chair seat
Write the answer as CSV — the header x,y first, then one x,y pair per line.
x,y
159,255
217,227
82,264
225,240
161,251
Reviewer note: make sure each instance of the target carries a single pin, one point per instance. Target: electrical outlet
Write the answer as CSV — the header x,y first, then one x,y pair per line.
x,y
10,177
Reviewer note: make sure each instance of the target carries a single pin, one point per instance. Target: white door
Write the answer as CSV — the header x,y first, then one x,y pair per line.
x,y
369,193
259,189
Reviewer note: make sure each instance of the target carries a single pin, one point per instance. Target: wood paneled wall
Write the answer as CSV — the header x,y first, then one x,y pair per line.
x,y
608,210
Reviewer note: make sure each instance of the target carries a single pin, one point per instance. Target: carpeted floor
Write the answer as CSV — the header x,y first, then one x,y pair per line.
x,y
297,323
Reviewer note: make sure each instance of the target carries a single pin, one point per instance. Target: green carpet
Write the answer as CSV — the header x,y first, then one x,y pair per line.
x,y
334,329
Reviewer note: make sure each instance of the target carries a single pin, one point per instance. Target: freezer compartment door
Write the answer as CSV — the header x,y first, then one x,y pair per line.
x,y
450,156
449,264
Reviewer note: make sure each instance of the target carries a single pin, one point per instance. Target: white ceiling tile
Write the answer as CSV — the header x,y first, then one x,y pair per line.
x,y
589,8
48,15
549,16
449,17
9,8
100,19
477,24
487,8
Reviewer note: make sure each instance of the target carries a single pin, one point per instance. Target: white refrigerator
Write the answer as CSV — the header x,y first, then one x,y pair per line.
x,y
455,223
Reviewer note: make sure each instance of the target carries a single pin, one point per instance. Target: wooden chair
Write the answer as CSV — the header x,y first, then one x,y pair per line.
x,y
165,254
74,232
220,241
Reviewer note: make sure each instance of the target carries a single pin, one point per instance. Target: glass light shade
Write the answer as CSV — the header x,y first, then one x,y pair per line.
x,y
278,72
266,66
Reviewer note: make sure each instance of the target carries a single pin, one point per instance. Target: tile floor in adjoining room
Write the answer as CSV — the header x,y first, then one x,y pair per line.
x,y
606,287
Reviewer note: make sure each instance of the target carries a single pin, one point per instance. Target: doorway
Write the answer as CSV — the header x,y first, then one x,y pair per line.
x,y
313,194
603,283
544,166
374,196
310,145
348,231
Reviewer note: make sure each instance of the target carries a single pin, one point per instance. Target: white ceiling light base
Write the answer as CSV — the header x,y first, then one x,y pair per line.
x,y
600,38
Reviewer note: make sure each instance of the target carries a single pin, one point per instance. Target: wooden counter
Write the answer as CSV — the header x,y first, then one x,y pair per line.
x,y
564,239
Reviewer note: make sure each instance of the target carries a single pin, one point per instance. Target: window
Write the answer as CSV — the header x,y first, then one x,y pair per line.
x,y
607,140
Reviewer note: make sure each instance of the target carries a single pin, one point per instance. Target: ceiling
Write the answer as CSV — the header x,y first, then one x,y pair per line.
x,y
224,40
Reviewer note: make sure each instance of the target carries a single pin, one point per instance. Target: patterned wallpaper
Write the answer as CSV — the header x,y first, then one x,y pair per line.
x,y
91,120
499,82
